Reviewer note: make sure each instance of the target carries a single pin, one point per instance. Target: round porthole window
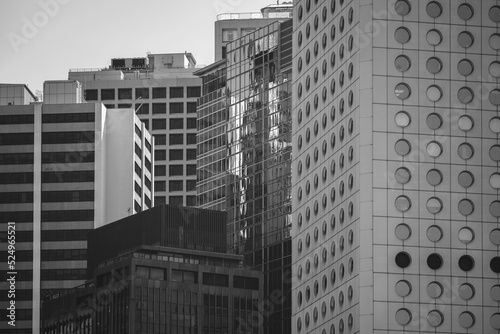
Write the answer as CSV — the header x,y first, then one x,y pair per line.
x,y
434,93
402,147
495,97
402,232
434,261
465,123
434,37
402,63
465,207
403,316
466,263
403,288
403,260
434,9
434,290
434,65
465,151
495,181
434,233
466,319
402,7
403,119
402,91
466,291
495,125
402,175
465,39
494,14
465,11
402,203
434,149
465,67
402,35
435,318
466,179
466,235
434,177
465,95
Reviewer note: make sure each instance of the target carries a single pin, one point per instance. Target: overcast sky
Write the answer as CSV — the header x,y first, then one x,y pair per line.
x,y
42,39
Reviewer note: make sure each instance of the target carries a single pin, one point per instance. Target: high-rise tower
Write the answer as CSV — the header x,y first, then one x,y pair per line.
x,y
395,173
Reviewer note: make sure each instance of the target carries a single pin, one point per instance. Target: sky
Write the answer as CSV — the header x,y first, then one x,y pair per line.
x,y
42,39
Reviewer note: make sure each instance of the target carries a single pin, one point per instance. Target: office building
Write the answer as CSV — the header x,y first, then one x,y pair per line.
x,y
15,94
162,89
244,147
160,283
65,169
395,173
232,26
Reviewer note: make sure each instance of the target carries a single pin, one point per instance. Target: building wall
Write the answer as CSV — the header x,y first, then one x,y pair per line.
x,y
15,94
64,91
325,172
170,119
53,176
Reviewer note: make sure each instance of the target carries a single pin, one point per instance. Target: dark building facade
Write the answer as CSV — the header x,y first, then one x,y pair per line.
x,y
251,111
164,225
154,289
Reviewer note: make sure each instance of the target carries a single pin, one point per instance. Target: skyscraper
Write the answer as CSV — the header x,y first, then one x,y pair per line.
x,y
162,89
244,161
395,173
64,170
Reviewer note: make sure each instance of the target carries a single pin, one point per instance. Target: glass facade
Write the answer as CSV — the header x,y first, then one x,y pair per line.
x,y
244,156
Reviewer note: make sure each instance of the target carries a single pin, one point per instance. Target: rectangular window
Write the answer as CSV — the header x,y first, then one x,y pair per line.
x,y
67,176
184,276
191,138
176,92
138,150
138,170
159,108
138,189
160,200
175,186
190,200
191,107
160,139
69,118
190,185
109,106
176,139
160,170
175,155
175,200
229,35
142,108
17,119
215,279
124,93
159,93
160,186
146,124
91,95
65,137
159,124
176,123
62,157
124,105
16,138
107,94
191,123
176,108
191,154
250,283
142,93
175,170
194,91
160,155
190,169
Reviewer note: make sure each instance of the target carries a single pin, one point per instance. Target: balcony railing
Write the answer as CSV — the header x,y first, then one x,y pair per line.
x,y
255,15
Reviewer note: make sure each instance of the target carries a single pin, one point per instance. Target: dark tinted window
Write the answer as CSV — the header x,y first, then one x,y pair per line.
x,y
91,95
159,108
107,94
176,108
159,93
176,92
194,91
176,170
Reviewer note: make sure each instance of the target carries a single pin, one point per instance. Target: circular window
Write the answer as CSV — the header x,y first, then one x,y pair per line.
x,y
316,48
403,119
495,181
434,9
494,14
465,179
402,63
495,153
402,147
316,22
434,205
402,175
465,207
494,69
495,237
465,95
435,318
402,232
341,78
308,30
434,93
494,42
465,151
466,263
466,235
495,292
403,316
495,321
434,149
434,65
434,233
495,264
465,123
466,319
495,97
465,11
403,288
308,57
434,37
434,177
332,33
402,35
465,39
434,290
341,24
465,67
300,12
308,83
495,209
403,260
434,261
466,291
495,125
402,91
402,203
402,7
